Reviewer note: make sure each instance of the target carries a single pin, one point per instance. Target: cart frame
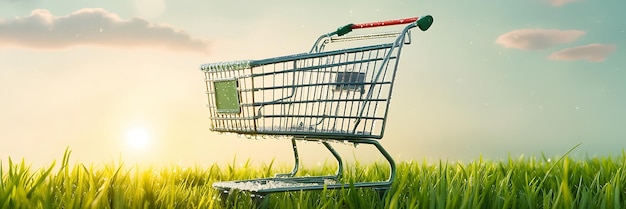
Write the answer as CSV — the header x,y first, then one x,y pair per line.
x,y
239,105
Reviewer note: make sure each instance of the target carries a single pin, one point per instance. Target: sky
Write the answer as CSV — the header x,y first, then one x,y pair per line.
x,y
119,79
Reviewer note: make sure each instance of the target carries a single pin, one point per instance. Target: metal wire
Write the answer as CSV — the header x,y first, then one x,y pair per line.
x,y
364,36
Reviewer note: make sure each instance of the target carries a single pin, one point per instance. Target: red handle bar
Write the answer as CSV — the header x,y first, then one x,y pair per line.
x,y
384,23
423,23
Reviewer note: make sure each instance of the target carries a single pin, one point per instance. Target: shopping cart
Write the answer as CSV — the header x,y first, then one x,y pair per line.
x,y
324,95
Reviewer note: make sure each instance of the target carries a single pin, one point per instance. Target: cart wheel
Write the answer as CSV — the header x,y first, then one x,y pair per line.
x,y
224,196
382,193
260,201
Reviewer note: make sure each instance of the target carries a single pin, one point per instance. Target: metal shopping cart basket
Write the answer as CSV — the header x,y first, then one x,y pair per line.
x,y
323,95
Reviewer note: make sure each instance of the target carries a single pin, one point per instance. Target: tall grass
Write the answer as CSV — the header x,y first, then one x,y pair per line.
x,y
524,182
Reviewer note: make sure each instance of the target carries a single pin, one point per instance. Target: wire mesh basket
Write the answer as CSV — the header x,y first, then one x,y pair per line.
x,y
334,94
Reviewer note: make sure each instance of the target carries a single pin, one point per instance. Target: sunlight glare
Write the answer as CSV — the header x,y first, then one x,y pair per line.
x,y
138,138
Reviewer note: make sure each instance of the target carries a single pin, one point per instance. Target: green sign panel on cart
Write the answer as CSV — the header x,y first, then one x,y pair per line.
x,y
226,96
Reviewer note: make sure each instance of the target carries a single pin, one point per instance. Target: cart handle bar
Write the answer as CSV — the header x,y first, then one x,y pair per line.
x,y
423,23
384,23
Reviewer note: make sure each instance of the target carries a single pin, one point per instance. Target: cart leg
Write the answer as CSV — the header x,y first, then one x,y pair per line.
x,y
296,161
392,163
332,150
381,149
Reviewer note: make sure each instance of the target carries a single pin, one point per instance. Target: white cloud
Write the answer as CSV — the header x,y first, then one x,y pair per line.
x,y
534,39
591,52
98,27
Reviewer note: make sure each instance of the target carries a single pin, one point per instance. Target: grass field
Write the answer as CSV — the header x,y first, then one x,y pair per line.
x,y
524,182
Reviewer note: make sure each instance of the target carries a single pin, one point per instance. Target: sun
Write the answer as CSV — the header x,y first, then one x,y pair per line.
x,y
138,138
